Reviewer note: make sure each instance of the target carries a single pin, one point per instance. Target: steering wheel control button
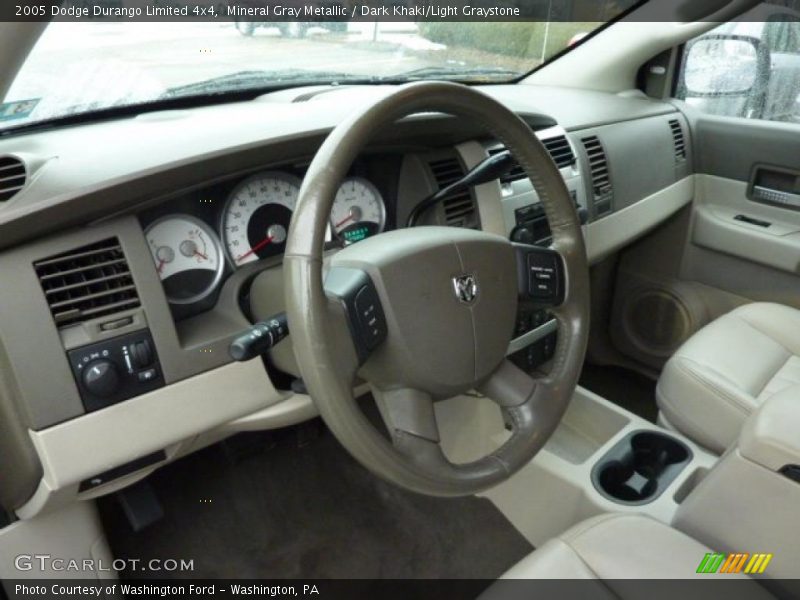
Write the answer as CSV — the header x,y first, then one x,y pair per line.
x,y
371,319
365,317
540,275
115,369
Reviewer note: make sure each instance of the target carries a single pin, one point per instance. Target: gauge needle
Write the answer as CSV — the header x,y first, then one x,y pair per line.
x,y
200,254
161,264
343,221
255,248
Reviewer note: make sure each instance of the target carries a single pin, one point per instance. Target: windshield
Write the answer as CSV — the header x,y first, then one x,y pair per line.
x,y
82,67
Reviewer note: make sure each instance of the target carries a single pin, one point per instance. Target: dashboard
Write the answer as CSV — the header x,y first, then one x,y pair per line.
x,y
134,265
198,240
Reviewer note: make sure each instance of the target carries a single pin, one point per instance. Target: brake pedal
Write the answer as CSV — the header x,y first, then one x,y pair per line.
x,y
141,505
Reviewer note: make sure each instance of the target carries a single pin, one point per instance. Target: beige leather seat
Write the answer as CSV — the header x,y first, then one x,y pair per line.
x,y
727,369
616,547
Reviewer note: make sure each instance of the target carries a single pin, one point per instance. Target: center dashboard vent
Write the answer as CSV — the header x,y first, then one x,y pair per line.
x,y
559,149
679,140
88,282
459,209
13,177
602,190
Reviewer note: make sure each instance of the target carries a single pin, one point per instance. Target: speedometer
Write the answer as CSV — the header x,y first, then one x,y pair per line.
x,y
257,215
358,210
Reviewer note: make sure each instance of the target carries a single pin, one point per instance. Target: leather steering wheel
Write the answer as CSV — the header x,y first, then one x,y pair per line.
x,y
427,313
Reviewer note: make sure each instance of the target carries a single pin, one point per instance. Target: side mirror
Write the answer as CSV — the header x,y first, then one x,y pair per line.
x,y
725,65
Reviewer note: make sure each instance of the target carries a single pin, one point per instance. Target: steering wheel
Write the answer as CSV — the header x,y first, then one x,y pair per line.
x,y
427,313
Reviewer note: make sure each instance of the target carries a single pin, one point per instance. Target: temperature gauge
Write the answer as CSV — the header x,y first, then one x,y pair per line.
x,y
187,256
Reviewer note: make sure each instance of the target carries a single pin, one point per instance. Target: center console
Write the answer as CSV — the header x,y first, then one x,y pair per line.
x,y
748,502
638,468
601,459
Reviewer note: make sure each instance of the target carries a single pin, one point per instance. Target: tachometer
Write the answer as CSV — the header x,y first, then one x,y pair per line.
x,y
257,216
358,210
187,255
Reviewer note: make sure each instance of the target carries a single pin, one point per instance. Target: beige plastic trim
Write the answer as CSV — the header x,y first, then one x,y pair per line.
x,y
769,437
742,507
611,60
554,491
78,449
291,411
619,229
489,199
72,533
719,200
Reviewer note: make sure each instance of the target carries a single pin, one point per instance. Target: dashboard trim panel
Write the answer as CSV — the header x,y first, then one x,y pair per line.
x,y
151,422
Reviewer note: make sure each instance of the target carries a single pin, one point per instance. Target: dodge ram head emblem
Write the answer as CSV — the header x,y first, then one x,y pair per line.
x,y
466,288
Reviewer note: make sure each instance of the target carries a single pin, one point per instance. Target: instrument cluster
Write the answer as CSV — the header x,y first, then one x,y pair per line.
x,y
194,245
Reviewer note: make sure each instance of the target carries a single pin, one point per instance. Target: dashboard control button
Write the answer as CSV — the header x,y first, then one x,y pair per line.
x,y
112,370
101,377
141,354
116,323
147,375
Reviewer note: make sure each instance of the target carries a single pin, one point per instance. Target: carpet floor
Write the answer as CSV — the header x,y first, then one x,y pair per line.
x,y
284,505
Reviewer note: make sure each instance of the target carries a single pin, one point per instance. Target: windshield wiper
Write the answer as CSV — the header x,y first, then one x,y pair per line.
x,y
248,80
452,72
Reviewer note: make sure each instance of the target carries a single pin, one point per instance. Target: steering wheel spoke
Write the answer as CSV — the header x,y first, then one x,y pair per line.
x,y
541,276
407,411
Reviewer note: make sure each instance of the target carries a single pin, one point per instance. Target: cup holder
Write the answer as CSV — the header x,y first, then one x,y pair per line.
x,y
640,466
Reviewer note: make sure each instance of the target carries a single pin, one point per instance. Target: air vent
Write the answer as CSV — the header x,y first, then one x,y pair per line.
x,y
601,179
87,282
558,148
12,177
678,139
560,151
459,209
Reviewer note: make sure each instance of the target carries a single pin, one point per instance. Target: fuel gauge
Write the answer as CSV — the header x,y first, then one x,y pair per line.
x,y
187,257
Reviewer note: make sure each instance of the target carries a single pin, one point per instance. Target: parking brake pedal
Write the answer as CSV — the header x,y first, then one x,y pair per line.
x,y
141,505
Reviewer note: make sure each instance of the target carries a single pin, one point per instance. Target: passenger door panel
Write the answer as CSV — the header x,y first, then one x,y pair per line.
x,y
663,296
733,216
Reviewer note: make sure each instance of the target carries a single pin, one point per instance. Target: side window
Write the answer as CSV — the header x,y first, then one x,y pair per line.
x,y
781,34
748,68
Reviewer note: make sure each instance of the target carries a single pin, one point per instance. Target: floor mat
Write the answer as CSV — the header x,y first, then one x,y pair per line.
x,y
310,512
628,389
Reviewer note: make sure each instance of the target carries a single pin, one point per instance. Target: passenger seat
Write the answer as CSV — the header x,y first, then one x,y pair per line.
x,y
727,369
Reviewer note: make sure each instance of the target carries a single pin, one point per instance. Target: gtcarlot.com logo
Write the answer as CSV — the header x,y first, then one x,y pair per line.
x,y
47,562
735,562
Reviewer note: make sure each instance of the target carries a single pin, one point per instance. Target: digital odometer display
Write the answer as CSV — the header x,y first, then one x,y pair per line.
x,y
358,232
